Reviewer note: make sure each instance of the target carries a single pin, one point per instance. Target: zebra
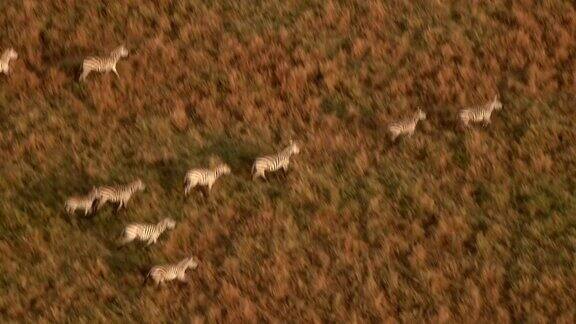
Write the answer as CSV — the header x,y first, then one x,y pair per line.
x,y
103,64
407,126
7,56
81,202
270,163
146,232
480,113
118,194
204,177
169,272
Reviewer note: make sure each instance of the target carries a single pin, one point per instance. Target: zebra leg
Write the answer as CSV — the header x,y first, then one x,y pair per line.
x,y
124,240
101,203
115,72
205,191
84,74
189,187
260,174
93,208
120,205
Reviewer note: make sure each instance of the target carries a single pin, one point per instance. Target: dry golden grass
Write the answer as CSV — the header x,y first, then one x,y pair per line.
x,y
451,225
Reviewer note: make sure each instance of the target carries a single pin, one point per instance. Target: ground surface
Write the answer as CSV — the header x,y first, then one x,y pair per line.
x,y
448,225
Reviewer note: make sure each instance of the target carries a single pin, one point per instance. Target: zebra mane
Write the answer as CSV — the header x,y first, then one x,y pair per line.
x,y
290,147
136,185
489,106
117,52
221,169
287,150
164,222
185,264
6,54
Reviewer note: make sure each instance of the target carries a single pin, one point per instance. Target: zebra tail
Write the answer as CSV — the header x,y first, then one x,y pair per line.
x,y
146,279
186,184
122,239
84,74
94,207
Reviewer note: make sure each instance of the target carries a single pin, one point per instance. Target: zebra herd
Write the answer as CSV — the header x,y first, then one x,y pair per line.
x,y
205,178
472,114
149,233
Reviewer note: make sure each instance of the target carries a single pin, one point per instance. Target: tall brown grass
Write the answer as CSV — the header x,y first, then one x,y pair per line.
x,y
450,225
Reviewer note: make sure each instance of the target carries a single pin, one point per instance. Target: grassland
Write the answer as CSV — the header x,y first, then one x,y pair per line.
x,y
451,225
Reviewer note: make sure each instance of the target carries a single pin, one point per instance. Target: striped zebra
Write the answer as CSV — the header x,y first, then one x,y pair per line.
x,y
480,113
204,177
103,64
169,272
118,194
81,202
271,163
407,126
7,56
146,232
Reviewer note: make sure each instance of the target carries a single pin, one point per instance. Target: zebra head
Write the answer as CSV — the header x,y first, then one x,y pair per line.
x,y
121,51
223,169
139,185
496,103
168,223
93,192
191,263
11,54
294,148
421,115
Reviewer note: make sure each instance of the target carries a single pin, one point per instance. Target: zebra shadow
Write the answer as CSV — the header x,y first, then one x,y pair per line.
x,y
392,146
238,155
135,259
68,60
52,191
105,224
276,177
198,195
171,175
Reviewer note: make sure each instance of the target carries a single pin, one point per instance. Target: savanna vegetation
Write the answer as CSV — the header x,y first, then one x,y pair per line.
x,y
450,225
